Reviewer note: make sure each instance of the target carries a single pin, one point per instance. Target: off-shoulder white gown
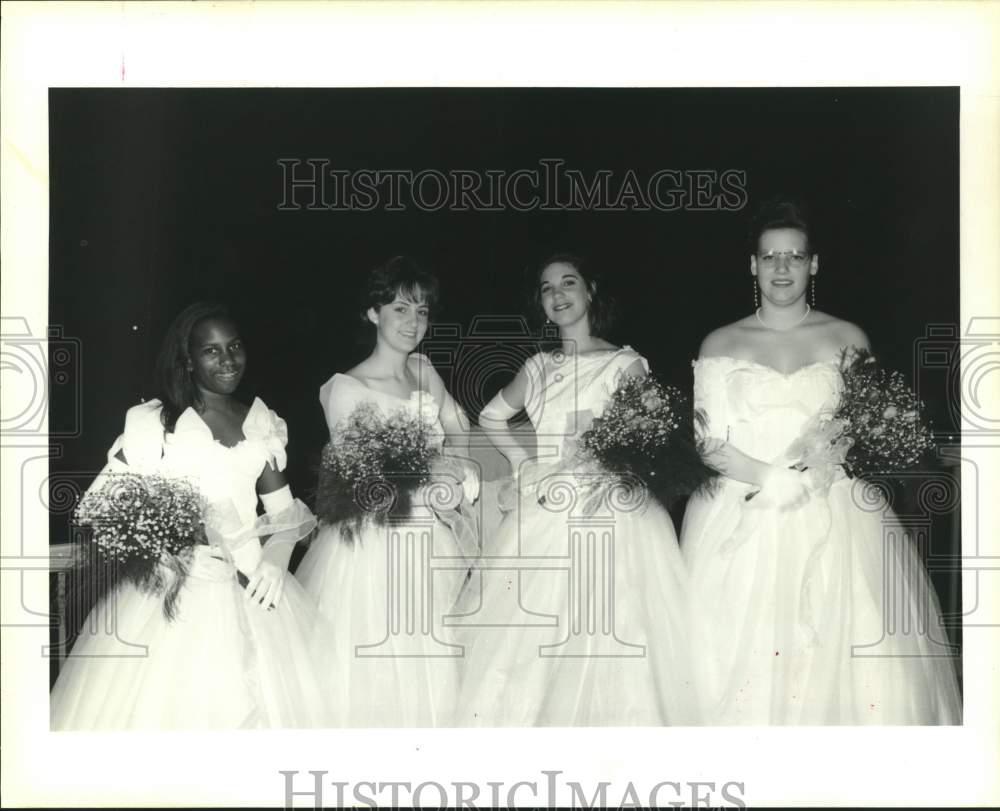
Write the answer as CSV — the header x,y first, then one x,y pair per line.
x,y
822,615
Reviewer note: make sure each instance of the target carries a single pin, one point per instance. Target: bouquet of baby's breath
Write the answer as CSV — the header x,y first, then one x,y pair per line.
x,y
373,467
647,431
143,530
881,416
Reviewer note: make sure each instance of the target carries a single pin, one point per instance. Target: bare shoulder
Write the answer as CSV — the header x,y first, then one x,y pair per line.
x,y
844,333
724,340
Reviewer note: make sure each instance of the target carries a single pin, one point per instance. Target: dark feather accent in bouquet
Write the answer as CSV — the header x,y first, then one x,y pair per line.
x,y
648,431
373,467
142,530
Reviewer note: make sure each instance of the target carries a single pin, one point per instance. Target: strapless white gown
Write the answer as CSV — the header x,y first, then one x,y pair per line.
x,y
823,615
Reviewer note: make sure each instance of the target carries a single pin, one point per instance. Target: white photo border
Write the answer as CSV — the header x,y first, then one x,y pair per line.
x,y
724,44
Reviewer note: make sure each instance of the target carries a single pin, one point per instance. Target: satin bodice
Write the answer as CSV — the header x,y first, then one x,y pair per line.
x,y
342,394
758,409
566,392
223,474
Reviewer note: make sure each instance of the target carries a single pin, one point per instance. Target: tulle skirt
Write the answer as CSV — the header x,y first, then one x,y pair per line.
x,y
221,663
822,615
587,629
386,590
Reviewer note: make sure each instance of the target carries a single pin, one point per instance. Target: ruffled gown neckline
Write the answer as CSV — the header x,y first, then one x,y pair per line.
x,y
764,366
192,423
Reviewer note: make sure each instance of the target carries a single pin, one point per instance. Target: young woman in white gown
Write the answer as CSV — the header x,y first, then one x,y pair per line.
x,y
225,661
396,663
617,653
785,585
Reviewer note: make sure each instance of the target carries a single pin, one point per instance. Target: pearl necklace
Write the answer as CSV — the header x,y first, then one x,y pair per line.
x,y
782,329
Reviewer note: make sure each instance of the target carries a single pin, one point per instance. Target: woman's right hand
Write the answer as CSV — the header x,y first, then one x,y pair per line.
x,y
247,556
266,585
782,488
444,490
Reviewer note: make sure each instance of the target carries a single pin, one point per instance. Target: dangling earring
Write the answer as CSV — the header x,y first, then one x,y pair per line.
x,y
812,290
756,294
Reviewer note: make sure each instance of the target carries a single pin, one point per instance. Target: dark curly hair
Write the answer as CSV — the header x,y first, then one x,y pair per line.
x,y
603,307
177,390
782,211
400,275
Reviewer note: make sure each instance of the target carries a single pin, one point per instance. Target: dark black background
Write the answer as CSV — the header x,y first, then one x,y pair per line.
x,y
163,196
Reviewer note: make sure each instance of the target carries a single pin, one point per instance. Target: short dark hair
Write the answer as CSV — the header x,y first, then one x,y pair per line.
x,y
399,275
603,307
177,390
781,211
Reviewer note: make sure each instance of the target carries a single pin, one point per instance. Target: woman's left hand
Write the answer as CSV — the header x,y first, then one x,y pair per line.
x,y
464,472
266,585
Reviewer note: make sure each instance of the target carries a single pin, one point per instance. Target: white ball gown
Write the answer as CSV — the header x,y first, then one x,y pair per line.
x,y
781,599
386,589
221,663
589,628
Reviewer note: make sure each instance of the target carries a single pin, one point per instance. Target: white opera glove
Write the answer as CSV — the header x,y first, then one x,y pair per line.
x,y
267,583
224,528
498,411
784,489
277,501
452,479
465,472
247,556
470,484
